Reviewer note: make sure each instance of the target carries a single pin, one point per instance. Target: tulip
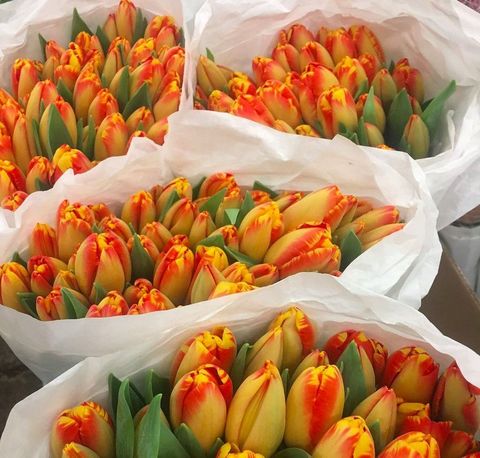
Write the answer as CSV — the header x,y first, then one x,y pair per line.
x,y
141,119
318,78
157,233
384,87
53,49
202,227
20,142
112,137
43,270
253,108
66,158
210,76
459,444
174,273
297,35
168,37
336,108
103,260
86,88
229,234
147,244
256,417
6,149
378,217
371,65
13,201
53,307
348,437
238,272
66,279
366,41
11,179
113,304
438,430
180,216
139,210
409,78
156,25
351,74
340,44
74,450
308,249
287,56
282,126
417,137
412,445
380,118
214,255
153,301
219,101
110,28
412,373
168,102
230,450
410,409
314,359
380,409
68,73
158,131
179,185
216,182
151,72
43,241
314,404
135,292
10,111
261,227
14,279
343,210
115,59
141,50
456,400
204,281
174,61
266,69
315,52
125,17
239,85
371,238
264,274
24,76
74,225
117,226
196,396
87,424
225,288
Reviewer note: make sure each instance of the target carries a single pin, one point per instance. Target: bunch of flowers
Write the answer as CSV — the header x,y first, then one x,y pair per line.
x,y
334,82
85,102
281,397
179,244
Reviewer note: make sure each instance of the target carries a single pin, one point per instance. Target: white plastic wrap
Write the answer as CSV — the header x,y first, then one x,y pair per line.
x,y
329,302
442,39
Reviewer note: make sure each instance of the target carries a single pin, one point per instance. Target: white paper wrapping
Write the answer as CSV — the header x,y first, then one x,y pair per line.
x,y
329,302
442,39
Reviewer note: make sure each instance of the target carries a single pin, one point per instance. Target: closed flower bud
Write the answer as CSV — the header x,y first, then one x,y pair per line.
x,y
14,279
153,301
168,102
229,234
113,304
380,118
157,233
114,60
204,281
202,227
141,50
53,307
315,52
135,292
112,137
179,185
68,117
417,137
24,76
43,270
43,241
252,107
210,76
225,288
366,41
287,56
20,143
239,85
265,69
219,101
212,254
370,64
158,131
139,210
230,450
66,279
351,74
13,201
125,17
156,24
74,450
11,179
314,359
86,88
66,158
238,272
409,78
264,274
384,87
412,445
297,35
180,217
339,44
410,409
459,444
151,72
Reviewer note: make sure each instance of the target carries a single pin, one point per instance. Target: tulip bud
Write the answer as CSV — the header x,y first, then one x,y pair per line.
x,y
157,24
456,400
168,102
202,227
225,288
417,137
139,210
140,119
216,182
459,444
229,234
219,101
412,373
409,78
174,62
158,131
371,65
66,158
239,85
348,437
412,445
14,279
380,118
230,450
87,424
253,108
39,172
125,18
378,217
113,304
256,417
205,279
157,233
86,88
112,137
438,430
43,241
179,185
43,270
238,272
287,56
212,254
168,37
351,74
366,41
24,76
151,72
135,292
74,450
384,87
174,273
53,49
10,111
140,51
266,69
110,28
20,143
13,201
339,44
195,397
53,307
314,404
264,274
153,301
210,76
103,260
314,359
66,279
336,108
261,227
315,52
11,179
149,247
180,216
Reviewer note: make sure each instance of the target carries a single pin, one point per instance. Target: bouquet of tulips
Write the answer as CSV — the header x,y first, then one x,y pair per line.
x,y
284,397
180,244
332,82
83,103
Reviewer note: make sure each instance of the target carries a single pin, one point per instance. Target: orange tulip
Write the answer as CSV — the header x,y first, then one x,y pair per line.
x,y
13,201
168,102
409,78
366,41
135,292
315,52
43,270
113,304
139,210
153,301
14,279
230,450
24,76
225,288
351,75
297,35
39,172
112,137
339,44
314,359
11,179
412,445
151,72
266,69
66,158
384,87
252,107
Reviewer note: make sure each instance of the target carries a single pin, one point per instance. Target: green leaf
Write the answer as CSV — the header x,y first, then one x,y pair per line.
x,y
258,186
376,435
212,453
79,134
181,38
247,205
43,43
189,442
104,41
148,436
57,132
137,401
354,138
196,188
285,378
123,93
100,292
398,116
238,368
142,263
41,186
78,25
351,248
96,229
230,216
362,132
113,388
157,385
212,204
172,198
237,256
140,26
141,98
404,146
36,137
170,446
425,104
362,89
29,301
18,259
292,452
125,430
210,55
432,113
64,91
75,309
213,240
369,114
89,149
317,125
